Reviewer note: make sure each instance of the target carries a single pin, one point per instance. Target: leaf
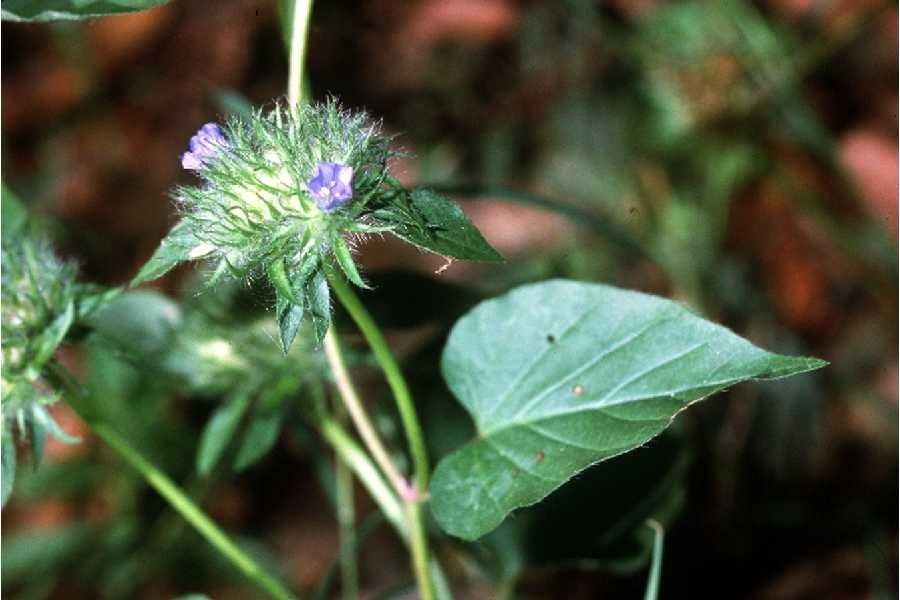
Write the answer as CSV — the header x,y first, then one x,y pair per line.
x,y
289,316
583,524
319,302
277,273
219,430
178,246
436,224
67,10
560,375
345,260
8,474
141,322
91,298
39,424
260,438
53,335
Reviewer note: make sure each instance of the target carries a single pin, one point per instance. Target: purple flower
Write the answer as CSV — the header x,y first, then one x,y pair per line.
x,y
331,185
204,145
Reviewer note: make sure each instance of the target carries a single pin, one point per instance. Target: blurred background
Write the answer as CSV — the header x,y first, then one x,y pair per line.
x,y
740,157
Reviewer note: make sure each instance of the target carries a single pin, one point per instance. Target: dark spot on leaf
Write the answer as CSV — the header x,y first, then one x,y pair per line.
x,y
551,338
515,473
538,457
577,389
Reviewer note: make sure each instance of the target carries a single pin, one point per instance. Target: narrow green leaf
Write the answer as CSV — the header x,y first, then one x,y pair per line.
x,y
53,335
219,430
40,415
436,224
260,438
289,317
279,278
8,474
178,246
560,375
68,10
36,436
319,298
345,260
92,298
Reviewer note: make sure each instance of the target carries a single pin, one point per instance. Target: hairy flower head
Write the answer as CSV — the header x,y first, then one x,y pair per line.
x,y
281,185
38,305
283,192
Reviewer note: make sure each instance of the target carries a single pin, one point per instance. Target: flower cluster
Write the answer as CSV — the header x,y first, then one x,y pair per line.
x,y
280,186
39,307
38,297
282,193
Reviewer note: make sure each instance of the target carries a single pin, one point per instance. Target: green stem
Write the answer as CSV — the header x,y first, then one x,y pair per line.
x,y
411,497
172,493
346,518
652,591
299,30
419,545
358,413
392,372
351,454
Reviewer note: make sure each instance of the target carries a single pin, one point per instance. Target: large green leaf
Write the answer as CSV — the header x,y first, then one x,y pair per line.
x,y
67,10
560,375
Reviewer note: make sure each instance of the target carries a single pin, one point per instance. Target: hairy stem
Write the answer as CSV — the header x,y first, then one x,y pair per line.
x,y
169,490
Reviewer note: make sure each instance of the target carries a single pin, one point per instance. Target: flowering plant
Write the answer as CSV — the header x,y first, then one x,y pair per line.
x,y
546,380
285,193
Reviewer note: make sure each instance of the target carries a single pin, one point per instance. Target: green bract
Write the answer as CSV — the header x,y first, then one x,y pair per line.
x,y
254,214
38,308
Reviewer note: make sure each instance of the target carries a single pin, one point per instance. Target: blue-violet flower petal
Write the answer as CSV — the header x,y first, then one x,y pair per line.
x,y
331,185
204,145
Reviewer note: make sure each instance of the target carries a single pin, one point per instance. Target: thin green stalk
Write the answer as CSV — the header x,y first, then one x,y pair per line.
x,y
411,497
170,491
419,546
652,591
349,451
358,413
299,31
346,518
392,372
351,454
